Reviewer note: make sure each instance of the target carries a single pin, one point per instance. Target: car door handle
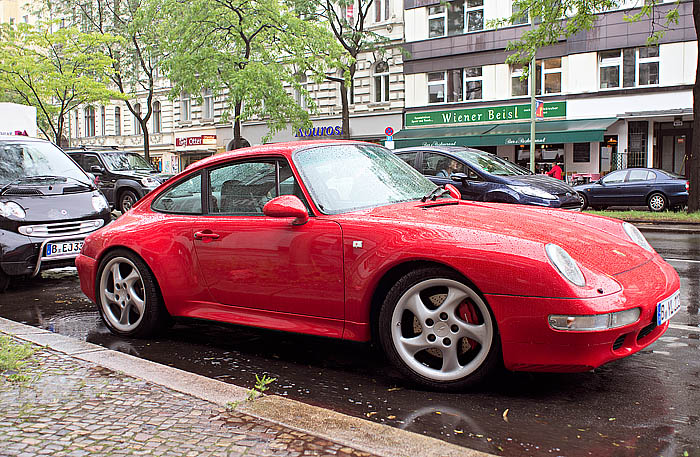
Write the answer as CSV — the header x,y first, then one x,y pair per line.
x,y
206,235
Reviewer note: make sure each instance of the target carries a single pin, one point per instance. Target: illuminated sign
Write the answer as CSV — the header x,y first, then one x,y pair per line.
x,y
202,140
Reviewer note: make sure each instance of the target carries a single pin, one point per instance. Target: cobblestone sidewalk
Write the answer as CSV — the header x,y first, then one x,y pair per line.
x,y
73,408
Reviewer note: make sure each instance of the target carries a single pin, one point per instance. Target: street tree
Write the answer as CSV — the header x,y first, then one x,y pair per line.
x,y
558,20
348,20
134,58
246,52
55,70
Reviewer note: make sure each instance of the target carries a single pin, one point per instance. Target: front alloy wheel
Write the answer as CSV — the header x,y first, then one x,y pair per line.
x,y
438,330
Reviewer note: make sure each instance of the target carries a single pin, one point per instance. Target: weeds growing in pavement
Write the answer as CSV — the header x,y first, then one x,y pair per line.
x,y
13,357
261,385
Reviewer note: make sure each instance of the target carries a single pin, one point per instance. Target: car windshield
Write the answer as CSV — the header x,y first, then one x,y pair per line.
x,y
22,161
342,178
491,164
121,161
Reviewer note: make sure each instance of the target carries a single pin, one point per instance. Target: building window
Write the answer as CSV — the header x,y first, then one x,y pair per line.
x,y
89,121
472,83
102,120
582,152
157,126
207,104
117,120
381,10
299,95
550,84
637,137
185,108
520,19
629,67
137,123
518,86
381,82
455,18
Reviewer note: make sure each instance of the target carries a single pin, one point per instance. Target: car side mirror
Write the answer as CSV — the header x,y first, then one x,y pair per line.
x,y
454,192
96,169
287,206
459,177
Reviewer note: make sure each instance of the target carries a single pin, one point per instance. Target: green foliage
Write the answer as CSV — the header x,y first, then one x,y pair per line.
x,y
13,357
679,217
54,69
261,385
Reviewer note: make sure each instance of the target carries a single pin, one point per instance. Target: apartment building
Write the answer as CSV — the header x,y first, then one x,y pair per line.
x,y
610,101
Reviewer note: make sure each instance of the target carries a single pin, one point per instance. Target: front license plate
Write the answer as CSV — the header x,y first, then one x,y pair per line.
x,y
63,248
665,309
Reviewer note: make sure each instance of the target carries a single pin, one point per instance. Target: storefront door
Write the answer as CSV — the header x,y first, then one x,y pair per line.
x,y
675,148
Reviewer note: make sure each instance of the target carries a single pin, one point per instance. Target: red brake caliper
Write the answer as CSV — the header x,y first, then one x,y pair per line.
x,y
467,312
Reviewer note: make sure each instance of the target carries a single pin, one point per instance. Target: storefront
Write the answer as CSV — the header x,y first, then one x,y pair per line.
x,y
188,150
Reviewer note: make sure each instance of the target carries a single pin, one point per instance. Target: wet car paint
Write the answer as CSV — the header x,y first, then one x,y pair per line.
x,y
643,405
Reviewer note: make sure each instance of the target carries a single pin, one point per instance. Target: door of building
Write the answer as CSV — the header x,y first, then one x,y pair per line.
x,y
675,148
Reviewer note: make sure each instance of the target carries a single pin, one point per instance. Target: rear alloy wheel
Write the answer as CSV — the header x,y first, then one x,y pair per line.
x,y
657,202
584,201
438,330
127,296
126,200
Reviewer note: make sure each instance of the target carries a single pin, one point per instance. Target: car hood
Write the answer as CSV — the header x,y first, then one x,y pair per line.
x,y
544,182
162,177
595,242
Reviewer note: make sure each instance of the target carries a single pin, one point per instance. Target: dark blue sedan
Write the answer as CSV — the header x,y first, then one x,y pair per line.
x,y
483,176
657,189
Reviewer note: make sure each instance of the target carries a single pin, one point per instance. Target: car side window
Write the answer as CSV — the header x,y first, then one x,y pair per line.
x,y
78,159
615,177
640,175
184,197
440,166
471,174
409,158
244,188
89,161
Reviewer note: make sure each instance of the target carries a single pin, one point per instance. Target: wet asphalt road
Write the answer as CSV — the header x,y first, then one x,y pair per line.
x,y
645,405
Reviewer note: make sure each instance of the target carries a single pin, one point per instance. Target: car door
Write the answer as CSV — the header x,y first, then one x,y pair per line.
x,y
254,261
637,186
104,181
608,192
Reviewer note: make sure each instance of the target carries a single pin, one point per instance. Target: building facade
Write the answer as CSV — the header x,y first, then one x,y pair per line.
x,y
610,101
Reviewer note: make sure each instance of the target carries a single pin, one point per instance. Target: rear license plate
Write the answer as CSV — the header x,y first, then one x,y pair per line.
x,y
61,248
666,308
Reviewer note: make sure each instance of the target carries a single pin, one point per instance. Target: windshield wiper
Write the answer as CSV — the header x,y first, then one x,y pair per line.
x,y
43,178
434,194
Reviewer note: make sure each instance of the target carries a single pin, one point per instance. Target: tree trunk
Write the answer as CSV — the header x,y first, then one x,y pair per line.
x,y
237,125
146,142
345,109
693,163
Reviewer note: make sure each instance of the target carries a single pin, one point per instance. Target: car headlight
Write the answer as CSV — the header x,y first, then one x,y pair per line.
x,y
533,192
12,209
636,236
595,321
150,182
99,202
564,264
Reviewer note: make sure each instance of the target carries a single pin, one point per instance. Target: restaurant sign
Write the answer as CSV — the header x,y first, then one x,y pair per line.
x,y
202,140
481,115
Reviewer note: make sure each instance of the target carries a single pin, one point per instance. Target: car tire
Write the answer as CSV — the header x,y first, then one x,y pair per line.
x,y
439,331
127,198
584,200
128,297
657,202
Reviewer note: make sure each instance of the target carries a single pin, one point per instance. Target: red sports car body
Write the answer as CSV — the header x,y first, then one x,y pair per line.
x,y
342,239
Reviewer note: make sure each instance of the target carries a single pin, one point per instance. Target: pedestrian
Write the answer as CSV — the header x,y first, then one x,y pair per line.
x,y
556,171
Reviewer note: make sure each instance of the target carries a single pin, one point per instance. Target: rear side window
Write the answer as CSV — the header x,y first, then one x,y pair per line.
x,y
409,158
184,197
641,175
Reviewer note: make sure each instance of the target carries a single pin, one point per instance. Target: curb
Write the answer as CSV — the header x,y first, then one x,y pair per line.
x,y
350,431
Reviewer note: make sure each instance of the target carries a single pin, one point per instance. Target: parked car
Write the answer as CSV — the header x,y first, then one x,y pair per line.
x,y
482,176
47,207
657,189
342,239
124,177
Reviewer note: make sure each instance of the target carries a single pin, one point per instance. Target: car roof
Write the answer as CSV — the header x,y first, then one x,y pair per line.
x,y
447,149
98,150
22,138
285,149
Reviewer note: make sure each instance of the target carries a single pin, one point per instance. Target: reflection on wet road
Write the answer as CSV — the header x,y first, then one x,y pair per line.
x,y
645,405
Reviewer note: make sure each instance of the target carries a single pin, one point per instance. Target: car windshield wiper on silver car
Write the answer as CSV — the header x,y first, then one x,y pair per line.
x,y
434,194
43,178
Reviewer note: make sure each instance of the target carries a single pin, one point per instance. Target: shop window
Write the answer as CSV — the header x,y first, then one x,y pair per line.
x,y
381,82
137,122
582,152
89,121
207,104
629,67
117,120
185,107
157,126
455,18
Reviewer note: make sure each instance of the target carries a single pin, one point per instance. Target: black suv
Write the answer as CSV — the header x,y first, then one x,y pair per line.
x,y
124,177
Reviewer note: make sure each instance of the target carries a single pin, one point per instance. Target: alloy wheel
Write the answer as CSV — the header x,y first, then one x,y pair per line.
x,y
122,294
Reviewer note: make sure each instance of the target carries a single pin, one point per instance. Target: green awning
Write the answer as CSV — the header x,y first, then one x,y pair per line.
x,y
547,132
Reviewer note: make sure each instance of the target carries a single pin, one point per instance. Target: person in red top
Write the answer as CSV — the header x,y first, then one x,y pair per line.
x,y
556,171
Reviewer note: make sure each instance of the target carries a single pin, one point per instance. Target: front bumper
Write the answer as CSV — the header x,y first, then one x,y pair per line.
x,y
530,344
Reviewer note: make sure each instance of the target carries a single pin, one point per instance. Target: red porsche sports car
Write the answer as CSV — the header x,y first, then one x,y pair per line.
x,y
343,239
